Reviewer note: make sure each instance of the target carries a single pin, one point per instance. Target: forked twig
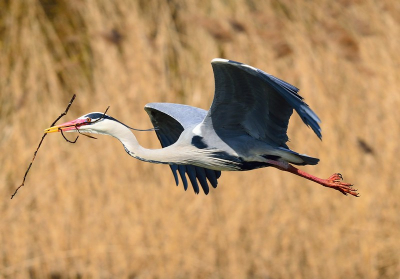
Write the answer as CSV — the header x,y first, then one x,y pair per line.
x,y
40,143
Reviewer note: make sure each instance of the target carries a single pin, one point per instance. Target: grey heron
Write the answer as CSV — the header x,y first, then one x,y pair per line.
x,y
244,129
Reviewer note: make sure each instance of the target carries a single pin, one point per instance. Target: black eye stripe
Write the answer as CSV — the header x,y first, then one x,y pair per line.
x,y
96,115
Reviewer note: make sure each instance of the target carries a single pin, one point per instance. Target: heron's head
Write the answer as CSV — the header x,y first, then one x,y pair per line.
x,y
94,122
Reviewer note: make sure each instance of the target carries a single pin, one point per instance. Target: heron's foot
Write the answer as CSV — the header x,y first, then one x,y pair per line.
x,y
335,182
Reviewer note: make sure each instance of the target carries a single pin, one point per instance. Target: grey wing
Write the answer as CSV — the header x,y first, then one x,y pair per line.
x,y
248,100
170,121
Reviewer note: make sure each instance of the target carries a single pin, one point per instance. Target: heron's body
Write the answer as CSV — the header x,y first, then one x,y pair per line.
x,y
245,129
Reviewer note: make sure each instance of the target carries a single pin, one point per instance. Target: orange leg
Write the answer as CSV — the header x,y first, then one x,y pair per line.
x,y
334,181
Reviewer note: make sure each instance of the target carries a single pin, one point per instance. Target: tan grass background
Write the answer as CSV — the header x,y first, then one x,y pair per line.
x,y
90,211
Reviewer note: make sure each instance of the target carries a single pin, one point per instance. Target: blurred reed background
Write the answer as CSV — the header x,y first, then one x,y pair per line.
x,y
90,211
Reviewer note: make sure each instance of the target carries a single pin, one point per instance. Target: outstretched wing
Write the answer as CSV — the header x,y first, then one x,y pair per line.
x,y
248,100
170,121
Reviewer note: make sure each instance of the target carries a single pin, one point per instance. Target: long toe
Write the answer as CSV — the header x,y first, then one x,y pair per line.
x,y
335,182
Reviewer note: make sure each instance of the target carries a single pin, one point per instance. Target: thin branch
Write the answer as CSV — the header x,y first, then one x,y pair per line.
x,y
40,143
104,114
65,112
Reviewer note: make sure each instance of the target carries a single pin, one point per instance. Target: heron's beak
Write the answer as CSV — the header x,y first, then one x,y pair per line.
x,y
71,125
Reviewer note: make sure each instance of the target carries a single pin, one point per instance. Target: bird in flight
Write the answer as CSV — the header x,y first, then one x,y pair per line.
x,y
244,129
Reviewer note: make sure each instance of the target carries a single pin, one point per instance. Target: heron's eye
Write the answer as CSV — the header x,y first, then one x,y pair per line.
x,y
88,119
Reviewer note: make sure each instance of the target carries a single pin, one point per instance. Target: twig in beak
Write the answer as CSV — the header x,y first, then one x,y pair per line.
x,y
40,143
76,127
62,133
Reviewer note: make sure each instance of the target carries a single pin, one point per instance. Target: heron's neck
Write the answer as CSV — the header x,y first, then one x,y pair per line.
x,y
133,148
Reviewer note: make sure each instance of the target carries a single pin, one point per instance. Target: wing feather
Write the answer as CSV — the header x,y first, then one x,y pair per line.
x,y
250,101
170,121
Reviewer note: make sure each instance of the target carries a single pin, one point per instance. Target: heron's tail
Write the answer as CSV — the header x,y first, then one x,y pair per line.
x,y
306,160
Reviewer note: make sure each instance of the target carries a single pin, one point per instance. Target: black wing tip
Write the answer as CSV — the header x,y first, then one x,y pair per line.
x,y
196,175
311,119
315,127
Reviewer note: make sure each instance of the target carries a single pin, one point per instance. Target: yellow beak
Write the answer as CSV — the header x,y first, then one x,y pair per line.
x,y
53,129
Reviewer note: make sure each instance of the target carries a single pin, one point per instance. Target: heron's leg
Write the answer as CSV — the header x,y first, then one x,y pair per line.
x,y
334,181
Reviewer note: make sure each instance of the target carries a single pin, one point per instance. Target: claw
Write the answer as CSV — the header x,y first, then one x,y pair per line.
x,y
334,182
